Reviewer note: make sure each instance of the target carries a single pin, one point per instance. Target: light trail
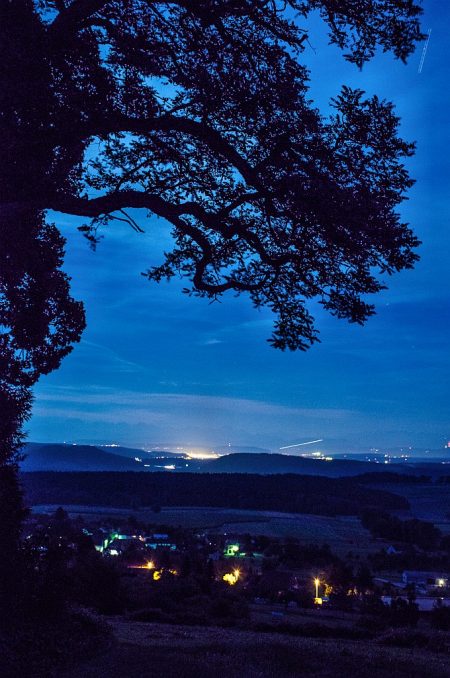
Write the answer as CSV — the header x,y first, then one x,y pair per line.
x,y
424,51
310,442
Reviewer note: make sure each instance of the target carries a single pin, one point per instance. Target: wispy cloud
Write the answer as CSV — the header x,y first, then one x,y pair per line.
x,y
199,417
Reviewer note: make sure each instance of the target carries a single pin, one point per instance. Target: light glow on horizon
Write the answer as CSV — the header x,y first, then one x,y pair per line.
x,y
199,454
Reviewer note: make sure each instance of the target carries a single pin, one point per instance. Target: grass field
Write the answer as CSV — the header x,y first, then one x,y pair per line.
x,y
144,650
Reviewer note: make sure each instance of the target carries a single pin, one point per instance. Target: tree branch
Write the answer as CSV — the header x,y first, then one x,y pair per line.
x,y
74,15
172,123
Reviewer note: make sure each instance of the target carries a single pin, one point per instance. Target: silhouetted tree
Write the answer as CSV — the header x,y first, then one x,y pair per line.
x,y
196,111
440,616
403,613
200,115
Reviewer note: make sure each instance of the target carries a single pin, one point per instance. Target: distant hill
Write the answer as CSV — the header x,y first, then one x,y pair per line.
x,y
283,463
292,493
240,449
130,452
59,457
68,457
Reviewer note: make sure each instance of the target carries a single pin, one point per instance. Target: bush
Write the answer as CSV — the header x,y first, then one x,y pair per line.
x,y
403,613
228,607
46,649
440,617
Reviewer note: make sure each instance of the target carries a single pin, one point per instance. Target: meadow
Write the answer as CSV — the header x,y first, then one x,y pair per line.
x,y
175,651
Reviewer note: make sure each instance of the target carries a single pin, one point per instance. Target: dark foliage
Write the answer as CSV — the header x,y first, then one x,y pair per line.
x,y
295,554
440,617
410,558
200,114
39,320
403,612
292,493
383,477
45,649
413,531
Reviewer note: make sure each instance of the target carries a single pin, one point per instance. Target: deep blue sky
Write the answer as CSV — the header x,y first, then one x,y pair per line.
x,y
156,366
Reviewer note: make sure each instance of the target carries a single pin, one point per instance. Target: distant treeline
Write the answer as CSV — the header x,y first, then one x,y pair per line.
x,y
290,493
413,531
381,477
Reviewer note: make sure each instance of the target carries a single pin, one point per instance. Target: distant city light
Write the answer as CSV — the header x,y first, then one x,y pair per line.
x,y
201,454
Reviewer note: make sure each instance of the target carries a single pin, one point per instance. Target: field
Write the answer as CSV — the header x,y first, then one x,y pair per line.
x,y
343,533
143,650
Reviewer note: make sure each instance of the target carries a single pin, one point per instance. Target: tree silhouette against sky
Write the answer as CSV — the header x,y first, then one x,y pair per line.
x,y
196,111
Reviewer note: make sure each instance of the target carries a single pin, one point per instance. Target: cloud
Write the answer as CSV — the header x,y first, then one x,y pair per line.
x,y
177,416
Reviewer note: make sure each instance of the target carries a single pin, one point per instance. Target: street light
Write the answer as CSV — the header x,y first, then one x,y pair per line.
x,y
317,600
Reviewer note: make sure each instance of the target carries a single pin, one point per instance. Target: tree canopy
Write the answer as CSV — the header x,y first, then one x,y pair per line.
x,y
198,112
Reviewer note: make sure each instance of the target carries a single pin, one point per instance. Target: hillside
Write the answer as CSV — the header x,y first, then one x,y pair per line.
x,y
193,652
292,493
63,457
58,457
283,463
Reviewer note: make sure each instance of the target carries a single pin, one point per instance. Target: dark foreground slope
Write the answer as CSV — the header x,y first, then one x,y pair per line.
x,y
290,493
146,650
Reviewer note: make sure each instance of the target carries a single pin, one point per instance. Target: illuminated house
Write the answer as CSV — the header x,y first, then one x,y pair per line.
x,y
120,545
231,550
429,580
160,541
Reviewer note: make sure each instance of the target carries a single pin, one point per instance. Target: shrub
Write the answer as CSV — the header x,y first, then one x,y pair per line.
x,y
440,617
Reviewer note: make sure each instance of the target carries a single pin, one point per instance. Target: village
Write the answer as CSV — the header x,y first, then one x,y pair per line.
x,y
179,575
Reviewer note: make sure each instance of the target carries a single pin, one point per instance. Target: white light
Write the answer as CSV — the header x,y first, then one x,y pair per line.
x,y
310,442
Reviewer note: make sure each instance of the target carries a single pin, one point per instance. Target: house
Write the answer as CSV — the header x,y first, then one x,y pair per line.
x,y
160,541
392,551
428,580
121,544
232,549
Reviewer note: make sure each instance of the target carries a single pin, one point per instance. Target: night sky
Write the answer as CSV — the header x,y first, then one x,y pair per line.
x,y
155,366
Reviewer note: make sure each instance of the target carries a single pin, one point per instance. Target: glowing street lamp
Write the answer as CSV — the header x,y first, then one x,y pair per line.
x,y
317,600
